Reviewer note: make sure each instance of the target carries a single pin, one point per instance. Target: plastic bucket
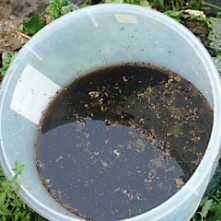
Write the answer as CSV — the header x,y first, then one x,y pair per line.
x,y
84,40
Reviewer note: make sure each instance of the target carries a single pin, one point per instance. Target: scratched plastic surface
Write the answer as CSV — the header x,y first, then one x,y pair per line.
x,y
85,40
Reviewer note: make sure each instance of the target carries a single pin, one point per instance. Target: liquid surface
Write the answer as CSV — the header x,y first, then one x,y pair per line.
x,y
122,140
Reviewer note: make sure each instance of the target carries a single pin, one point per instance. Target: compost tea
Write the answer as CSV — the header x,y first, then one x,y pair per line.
x,y
121,140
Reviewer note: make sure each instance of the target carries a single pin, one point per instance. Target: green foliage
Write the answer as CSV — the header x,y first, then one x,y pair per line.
x,y
8,57
215,35
209,210
11,207
176,5
143,3
177,15
33,25
158,3
54,10
196,5
217,61
58,8
210,206
196,15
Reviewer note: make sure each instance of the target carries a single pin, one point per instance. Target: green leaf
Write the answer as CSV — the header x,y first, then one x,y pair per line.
x,y
18,168
53,10
114,1
33,25
215,35
145,3
196,5
177,15
58,8
216,213
69,8
12,208
8,57
206,207
158,3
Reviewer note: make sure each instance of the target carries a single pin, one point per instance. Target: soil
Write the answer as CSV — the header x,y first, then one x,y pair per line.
x,y
12,14
21,9
122,140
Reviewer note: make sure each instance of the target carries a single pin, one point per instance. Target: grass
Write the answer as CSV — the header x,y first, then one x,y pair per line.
x,y
11,207
14,209
176,4
8,57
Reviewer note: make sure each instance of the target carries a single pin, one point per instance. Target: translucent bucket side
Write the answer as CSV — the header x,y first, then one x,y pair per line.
x,y
87,39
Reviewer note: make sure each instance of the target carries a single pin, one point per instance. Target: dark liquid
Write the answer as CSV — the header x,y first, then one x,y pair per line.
x,y
122,140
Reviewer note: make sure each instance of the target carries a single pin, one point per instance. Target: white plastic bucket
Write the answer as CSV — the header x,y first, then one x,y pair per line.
x,y
84,40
